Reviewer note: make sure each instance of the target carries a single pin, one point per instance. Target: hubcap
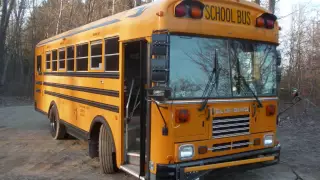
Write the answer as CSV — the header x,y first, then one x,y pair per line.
x,y
53,125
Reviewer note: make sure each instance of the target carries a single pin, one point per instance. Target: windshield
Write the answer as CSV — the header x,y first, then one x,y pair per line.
x,y
193,58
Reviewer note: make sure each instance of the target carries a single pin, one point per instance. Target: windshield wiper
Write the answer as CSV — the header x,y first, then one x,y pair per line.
x,y
210,84
240,77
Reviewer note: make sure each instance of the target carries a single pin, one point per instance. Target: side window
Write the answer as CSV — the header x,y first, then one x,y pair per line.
x,y
48,60
39,62
96,54
54,60
70,58
112,54
82,57
62,58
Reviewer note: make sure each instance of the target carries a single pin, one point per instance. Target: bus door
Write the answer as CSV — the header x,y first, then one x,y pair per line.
x,y
135,57
38,79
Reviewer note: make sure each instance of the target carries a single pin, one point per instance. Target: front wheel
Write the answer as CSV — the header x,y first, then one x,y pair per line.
x,y
57,129
107,151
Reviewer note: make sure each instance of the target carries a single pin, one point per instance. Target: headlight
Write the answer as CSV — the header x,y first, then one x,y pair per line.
x,y
268,140
186,152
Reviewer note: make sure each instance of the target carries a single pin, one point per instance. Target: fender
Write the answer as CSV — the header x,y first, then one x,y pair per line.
x,y
53,103
102,120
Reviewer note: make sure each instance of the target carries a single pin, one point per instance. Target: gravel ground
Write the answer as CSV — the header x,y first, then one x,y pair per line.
x,y
28,152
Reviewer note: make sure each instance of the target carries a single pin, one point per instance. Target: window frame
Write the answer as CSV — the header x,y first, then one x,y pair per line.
x,y
97,42
76,58
105,55
37,63
59,50
50,61
69,59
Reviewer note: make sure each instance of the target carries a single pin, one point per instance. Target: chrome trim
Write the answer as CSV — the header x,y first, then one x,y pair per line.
x,y
198,101
133,154
219,147
230,125
241,144
231,135
231,130
230,120
131,172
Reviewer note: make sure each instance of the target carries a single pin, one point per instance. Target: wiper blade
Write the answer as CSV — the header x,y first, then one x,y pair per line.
x,y
210,84
240,77
248,87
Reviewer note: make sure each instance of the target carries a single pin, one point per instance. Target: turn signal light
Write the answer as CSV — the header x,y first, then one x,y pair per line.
x,y
270,110
202,149
182,116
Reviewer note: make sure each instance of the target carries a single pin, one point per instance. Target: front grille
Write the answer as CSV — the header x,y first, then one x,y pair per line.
x,y
240,144
230,145
230,126
221,147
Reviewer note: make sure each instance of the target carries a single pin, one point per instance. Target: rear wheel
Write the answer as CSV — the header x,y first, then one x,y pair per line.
x,y
57,129
106,151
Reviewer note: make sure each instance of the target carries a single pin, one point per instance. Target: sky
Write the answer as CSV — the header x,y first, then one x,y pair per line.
x,y
285,7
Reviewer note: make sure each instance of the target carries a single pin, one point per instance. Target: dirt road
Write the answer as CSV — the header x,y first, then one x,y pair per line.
x,y
28,152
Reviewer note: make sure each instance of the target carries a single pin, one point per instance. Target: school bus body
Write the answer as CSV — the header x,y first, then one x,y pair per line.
x,y
81,97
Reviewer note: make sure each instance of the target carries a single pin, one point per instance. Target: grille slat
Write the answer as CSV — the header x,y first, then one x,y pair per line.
x,y
230,126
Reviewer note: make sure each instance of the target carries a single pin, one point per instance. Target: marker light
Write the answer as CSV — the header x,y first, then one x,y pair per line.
x,y
180,10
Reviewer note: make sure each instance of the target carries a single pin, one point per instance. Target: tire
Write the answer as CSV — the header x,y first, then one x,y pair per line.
x,y
107,151
57,129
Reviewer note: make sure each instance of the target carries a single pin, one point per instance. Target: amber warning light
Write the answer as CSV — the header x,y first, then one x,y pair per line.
x,y
189,9
266,20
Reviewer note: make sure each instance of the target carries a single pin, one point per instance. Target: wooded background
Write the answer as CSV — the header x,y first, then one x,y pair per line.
x,y
23,23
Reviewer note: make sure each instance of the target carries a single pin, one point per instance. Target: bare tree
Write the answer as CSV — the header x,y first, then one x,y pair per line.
x,y
7,8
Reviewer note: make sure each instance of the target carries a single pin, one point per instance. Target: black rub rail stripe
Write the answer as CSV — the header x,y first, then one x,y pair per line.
x,y
84,89
111,75
84,101
39,83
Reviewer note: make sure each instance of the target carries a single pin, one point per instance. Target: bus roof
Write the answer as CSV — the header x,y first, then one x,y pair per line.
x,y
136,15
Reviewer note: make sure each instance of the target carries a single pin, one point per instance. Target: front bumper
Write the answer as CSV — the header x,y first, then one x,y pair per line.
x,y
195,169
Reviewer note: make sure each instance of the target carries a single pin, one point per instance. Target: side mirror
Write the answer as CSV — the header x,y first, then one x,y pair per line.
x,y
160,44
160,58
278,74
278,58
159,93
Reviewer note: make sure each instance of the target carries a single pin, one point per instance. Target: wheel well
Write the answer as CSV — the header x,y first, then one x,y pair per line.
x,y
51,104
94,135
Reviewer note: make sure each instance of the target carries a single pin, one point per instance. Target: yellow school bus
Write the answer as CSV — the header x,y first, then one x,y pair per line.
x,y
167,90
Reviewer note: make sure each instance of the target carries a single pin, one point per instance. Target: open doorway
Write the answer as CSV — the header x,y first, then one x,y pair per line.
x,y
135,57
